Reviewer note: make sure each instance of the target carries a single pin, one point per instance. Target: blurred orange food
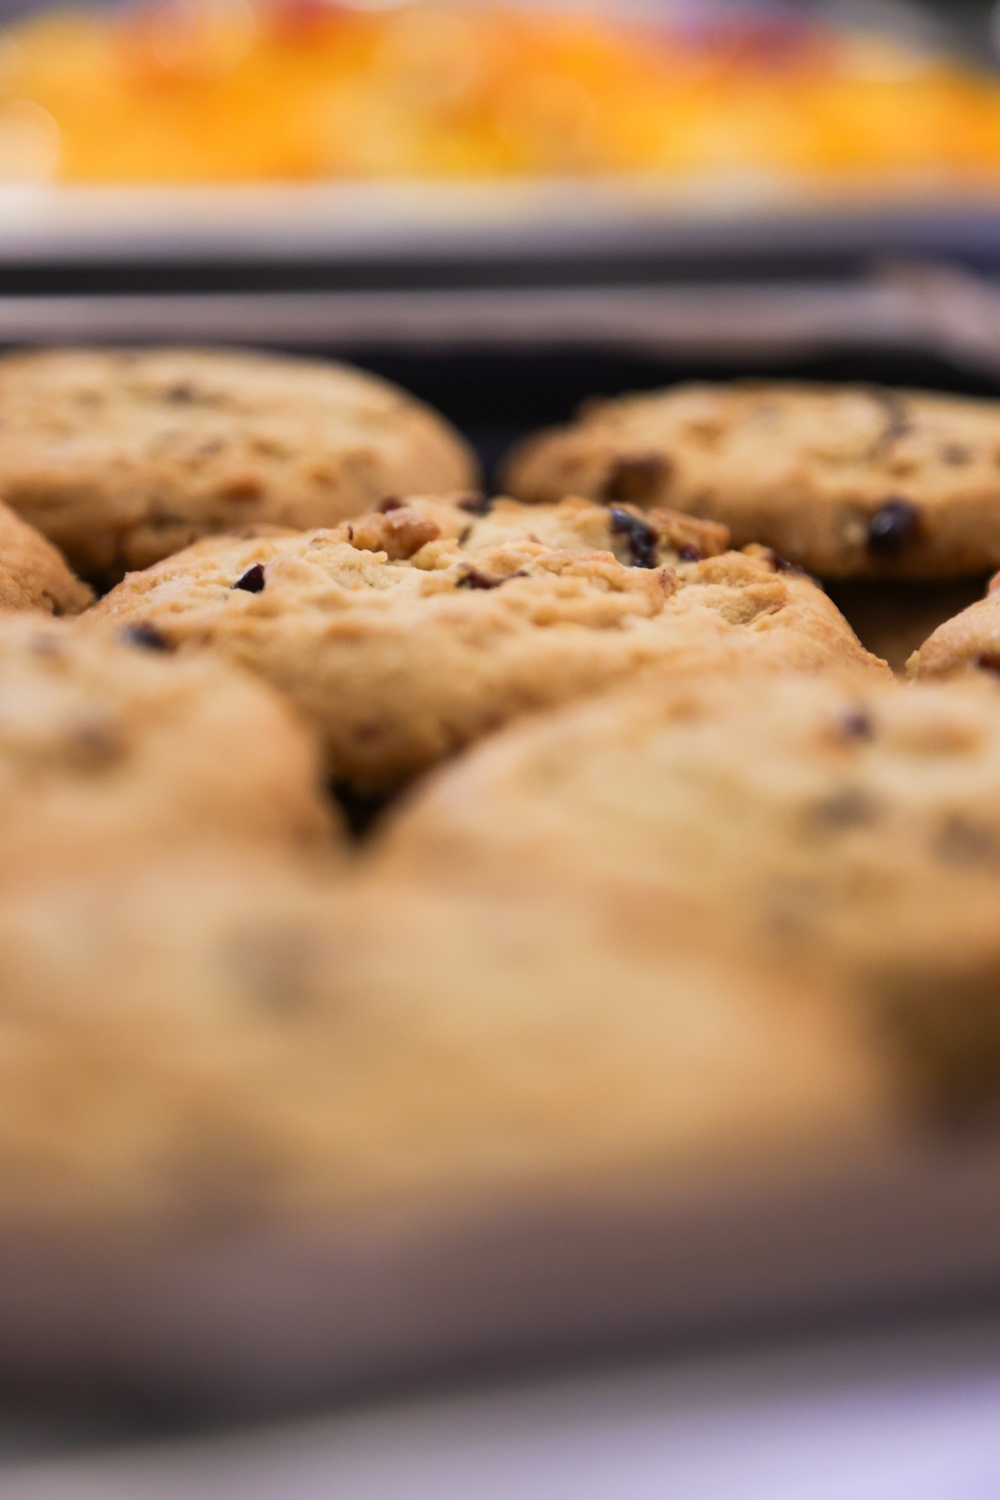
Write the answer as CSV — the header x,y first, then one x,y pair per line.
x,y
231,90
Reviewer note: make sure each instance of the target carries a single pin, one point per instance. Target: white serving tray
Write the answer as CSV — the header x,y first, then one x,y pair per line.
x,y
237,1320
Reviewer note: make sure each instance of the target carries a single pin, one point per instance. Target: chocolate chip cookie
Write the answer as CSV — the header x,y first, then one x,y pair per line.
x,y
846,481
853,825
123,456
234,1045
110,749
33,573
969,641
402,646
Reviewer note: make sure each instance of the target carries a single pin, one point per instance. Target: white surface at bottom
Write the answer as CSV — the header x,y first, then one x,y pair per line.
x,y
912,1417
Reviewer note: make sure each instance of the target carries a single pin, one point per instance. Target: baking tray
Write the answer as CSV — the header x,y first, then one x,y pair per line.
x,y
239,1320
505,222
236,1322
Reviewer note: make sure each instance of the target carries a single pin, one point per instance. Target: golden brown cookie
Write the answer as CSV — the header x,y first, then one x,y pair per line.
x,y
846,481
234,1045
850,824
33,574
122,457
110,749
970,640
402,647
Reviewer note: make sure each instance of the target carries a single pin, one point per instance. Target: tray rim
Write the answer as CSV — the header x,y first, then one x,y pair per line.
x,y
247,1320
479,219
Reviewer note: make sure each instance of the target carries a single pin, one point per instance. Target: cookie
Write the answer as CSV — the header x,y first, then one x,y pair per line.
x,y
850,824
33,574
401,647
111,749
846,481
231,1045
122,457
968,641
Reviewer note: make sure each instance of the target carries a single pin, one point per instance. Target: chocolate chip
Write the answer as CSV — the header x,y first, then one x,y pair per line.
x,y
689,554
960,842
473,579
639,478
848,808
856,724
391,502
252,581
95,744
145,635
476,505
181,394
892,527
642,538
989,661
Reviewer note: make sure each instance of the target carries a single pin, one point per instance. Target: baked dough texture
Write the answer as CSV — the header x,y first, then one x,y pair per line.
x,y
122,457
111,750
231,1045
402,646
846,481
848,824
33,573
635,537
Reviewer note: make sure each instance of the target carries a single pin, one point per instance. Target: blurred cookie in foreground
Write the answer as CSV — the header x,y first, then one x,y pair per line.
x,y
33,573
849,824
124,456
230,1044
846,481
401,646
970,640
110,750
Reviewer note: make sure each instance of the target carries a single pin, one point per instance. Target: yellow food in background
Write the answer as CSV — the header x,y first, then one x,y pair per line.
x,y
224,90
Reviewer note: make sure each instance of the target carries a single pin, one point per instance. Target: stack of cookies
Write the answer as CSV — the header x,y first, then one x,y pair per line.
x,y
671,876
